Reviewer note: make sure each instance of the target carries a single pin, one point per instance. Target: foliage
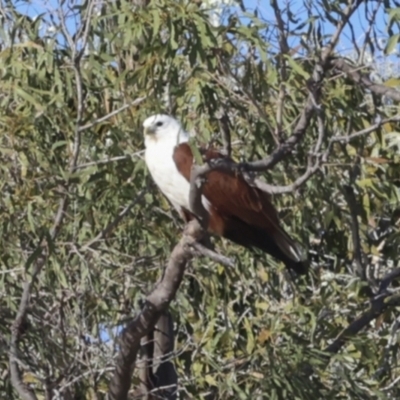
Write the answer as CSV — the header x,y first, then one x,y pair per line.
x,y
71,148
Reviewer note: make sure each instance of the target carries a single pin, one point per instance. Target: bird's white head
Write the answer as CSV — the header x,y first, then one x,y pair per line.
x,y
163,128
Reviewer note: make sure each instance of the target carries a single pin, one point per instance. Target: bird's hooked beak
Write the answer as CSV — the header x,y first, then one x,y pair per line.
x,y
150,130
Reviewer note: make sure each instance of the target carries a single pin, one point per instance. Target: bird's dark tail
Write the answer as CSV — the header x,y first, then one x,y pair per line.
x,y
279,245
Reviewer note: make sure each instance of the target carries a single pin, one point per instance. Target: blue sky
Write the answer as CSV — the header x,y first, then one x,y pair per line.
x,y
359,22
35,7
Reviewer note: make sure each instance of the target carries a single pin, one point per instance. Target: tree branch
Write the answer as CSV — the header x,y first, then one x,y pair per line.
x,y
157,302
365,131
358,256
110,160
379,303
41,252
197,180
157,373
364,80
223,120
311,104
199,249
272,189
133,103
17,329
112,225
312,167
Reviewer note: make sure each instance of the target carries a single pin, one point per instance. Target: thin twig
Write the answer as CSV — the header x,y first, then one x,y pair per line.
x,y
64,29
283,45
308,111
366,131
110,160
84,30
226,133
358,256
113,113
379,303
388,279
369,30
111,226
284,50
273,189
199,249
42,250
364,80
312,166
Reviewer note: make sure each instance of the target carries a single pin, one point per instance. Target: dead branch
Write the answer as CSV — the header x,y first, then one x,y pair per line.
x,y
157,302
363,80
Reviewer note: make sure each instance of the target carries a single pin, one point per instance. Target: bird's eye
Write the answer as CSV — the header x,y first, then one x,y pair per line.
x,y
159,123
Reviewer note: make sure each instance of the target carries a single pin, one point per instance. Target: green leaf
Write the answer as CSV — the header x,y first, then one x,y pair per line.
x,y
392,43
297,67
29,98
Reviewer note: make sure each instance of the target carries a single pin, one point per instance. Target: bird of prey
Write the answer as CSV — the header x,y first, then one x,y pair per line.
x,y
237,211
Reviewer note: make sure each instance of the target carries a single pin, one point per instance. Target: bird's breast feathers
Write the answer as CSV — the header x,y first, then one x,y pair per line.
x,y
165,174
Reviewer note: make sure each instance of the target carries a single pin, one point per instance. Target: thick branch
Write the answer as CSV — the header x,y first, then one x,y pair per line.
x,y
197,180
157,302
165,376
363,80
157,373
